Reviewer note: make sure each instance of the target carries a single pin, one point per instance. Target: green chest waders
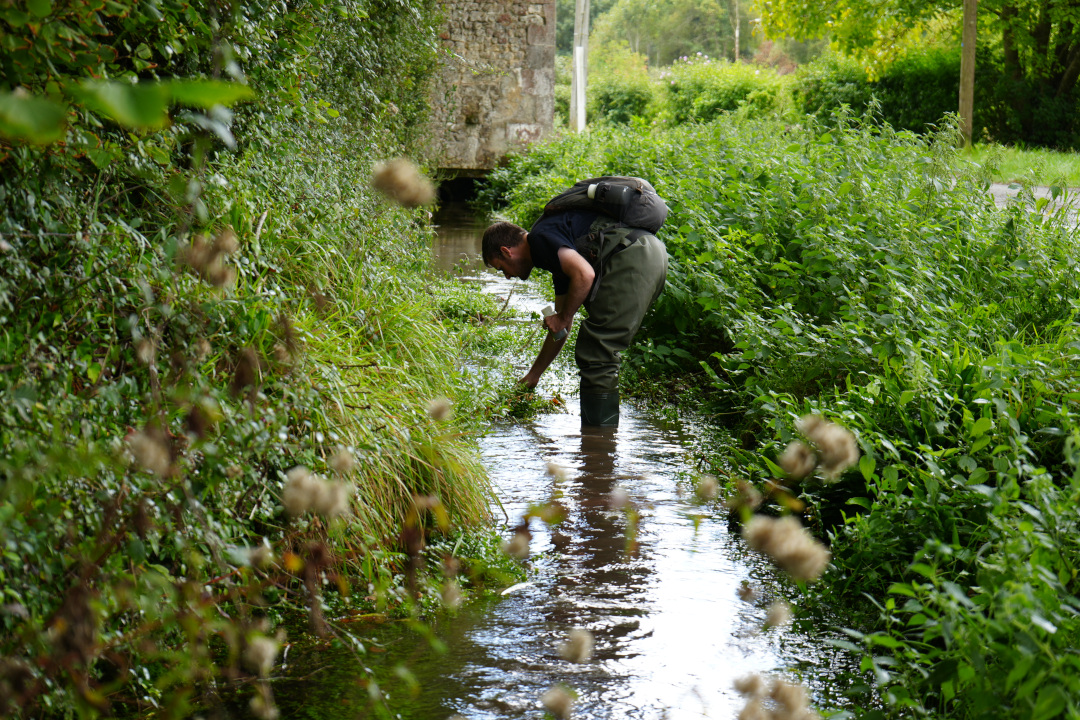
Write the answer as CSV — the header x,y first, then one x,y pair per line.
x,y
630,278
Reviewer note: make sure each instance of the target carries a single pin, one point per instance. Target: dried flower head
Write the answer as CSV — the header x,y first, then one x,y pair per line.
x,y
439,409
342,461
707,487
401,181
619,498
558,701
779,614
332,499
301,490
149,450
262,708
578,647
451,594
789,696
788,544
4,245
754,710
226,242
752,685
797,460
836,446
746,496
145,351
517,546
260,654
202,349
556,471
208,258
746,592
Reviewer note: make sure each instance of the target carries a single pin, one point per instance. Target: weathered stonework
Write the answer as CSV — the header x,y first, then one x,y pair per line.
x,y
496,91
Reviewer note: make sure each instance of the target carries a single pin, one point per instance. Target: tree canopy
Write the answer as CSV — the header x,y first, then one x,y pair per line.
x,y
1036,41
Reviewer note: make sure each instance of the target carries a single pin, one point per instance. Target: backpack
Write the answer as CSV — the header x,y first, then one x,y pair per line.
x,y
630,201
629,208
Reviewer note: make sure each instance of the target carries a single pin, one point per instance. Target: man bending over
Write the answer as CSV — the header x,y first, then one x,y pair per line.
x,y
616,285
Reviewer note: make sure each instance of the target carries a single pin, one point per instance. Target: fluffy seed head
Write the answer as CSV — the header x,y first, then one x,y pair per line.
x,y
707,487
578,647
752,685
779,615
747,593
260,654
145,351
556,471
301,489
150,452
332,499
439,409
747,496
342,462
788,544
451,594
557,701
797,460
619,498
401,181
517,546
837,449
754,710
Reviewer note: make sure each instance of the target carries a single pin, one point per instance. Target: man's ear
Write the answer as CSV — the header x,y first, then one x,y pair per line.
x,y
506,251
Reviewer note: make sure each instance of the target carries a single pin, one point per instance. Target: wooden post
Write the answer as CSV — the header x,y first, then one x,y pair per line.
x,y
967,70
580,65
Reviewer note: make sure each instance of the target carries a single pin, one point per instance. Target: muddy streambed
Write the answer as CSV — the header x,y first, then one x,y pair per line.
x,y
671,633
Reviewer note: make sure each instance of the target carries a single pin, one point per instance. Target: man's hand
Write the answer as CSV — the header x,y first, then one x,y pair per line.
x,y
529,381
556,323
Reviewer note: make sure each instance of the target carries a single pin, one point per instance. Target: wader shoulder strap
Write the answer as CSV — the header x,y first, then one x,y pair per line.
x,y
601,245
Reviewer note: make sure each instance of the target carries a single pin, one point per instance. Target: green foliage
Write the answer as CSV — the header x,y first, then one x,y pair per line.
x,y
699,88
920,87
619,88
857,273
183,326
664,30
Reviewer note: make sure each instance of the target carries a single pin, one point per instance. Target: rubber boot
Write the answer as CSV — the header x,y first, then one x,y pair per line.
x,y
600,409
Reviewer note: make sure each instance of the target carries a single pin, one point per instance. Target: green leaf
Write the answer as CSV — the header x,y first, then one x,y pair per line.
x,y
93,372
208,93
144,105
39,8
1050,703
866,467
33,119
860,501
981,426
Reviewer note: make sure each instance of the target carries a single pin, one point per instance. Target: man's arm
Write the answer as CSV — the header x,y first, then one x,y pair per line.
x,y
581,277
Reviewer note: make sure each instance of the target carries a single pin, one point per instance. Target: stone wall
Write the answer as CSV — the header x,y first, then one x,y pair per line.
x,y
496,90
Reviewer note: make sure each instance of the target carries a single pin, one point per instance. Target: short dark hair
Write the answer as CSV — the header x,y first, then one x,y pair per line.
x,y
500,235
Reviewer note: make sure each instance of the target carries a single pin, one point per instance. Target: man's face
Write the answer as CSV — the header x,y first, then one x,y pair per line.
x,y
511,262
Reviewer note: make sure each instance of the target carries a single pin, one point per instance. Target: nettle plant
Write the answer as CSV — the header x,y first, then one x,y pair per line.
x,y
863,275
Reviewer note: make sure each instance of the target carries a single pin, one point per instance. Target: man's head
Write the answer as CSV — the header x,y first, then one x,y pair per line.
x,y
504,248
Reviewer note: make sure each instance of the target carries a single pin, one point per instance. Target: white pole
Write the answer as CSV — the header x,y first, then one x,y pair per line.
x,y
580,67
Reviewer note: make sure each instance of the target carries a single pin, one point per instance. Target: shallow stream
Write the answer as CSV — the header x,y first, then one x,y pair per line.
x,y
671,633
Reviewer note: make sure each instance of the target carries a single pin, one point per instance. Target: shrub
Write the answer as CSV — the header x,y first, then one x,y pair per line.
x,y
700,89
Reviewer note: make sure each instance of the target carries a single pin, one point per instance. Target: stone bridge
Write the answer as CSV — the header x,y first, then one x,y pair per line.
x,y
496,90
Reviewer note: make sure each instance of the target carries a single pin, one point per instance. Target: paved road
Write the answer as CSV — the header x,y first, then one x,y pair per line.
x,y
1003,192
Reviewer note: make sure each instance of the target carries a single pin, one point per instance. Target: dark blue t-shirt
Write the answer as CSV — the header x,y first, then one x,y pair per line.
x,y
549,234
